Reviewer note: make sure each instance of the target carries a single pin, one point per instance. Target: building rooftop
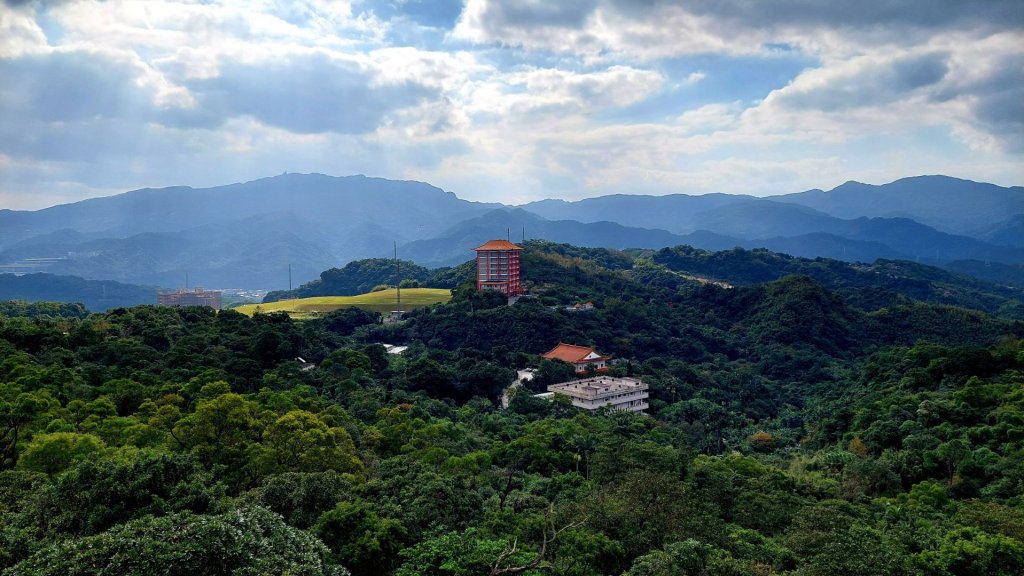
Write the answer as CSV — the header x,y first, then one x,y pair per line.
x,y
569,353
598,387
498,245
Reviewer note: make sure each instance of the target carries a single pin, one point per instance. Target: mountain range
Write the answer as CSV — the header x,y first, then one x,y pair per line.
x,y
253,234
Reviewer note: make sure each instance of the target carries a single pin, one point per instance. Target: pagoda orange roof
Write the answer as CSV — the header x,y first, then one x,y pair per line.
x,y
498,245
569,353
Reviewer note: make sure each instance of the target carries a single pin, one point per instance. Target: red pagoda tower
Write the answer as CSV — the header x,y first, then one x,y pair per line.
x,y
497,267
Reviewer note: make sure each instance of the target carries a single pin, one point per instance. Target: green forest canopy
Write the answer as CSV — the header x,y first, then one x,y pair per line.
x,y
791,432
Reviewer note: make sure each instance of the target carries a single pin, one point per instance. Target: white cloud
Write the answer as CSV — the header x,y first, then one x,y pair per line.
x,y
19,33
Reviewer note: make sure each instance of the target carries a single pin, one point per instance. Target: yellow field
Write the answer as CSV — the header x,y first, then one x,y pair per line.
x,y
382,301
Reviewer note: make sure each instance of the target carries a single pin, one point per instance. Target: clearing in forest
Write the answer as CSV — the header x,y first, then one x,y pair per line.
x,y
382,301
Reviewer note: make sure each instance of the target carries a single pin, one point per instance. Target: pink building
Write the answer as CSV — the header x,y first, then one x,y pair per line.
x,y
497,267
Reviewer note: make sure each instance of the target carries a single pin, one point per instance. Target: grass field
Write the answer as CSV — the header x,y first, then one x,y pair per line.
x,y
382,301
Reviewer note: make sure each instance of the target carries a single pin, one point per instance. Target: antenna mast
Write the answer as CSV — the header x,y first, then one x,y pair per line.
x,y
289,276
398,279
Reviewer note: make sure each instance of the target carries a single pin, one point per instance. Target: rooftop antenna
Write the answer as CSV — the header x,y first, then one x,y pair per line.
x,y
186,280
524,234
508,234
398,279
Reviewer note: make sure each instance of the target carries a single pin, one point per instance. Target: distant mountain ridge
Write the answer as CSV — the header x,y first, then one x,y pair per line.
x,y
454,245
96,295
240,235
947,204
253,234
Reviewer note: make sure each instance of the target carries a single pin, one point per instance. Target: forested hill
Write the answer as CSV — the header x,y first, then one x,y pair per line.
x,y
790,432
866,286
94,294
872,286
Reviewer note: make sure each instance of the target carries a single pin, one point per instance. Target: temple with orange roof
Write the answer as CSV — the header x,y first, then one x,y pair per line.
x,y
581,357
497,267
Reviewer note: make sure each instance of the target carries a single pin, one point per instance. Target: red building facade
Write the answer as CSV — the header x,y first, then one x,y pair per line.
x,y
497,267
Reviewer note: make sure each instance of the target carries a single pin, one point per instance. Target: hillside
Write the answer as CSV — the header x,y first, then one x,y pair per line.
x,y
870,286
361,276
788,431
382,301
96,295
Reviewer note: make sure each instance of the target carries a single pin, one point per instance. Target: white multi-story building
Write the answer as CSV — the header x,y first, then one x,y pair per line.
x,y
628,394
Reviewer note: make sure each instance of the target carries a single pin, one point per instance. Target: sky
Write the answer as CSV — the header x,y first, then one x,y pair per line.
x,y
509,101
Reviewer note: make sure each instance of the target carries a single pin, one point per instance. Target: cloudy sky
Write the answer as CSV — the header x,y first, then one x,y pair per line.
x,y
510,100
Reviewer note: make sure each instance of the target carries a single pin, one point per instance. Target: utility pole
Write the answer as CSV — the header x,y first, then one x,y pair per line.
x,y
398,279
289,276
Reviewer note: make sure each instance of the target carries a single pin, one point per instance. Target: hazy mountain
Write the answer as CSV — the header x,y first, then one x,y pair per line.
x,y
793,228
947,204
248,235
1008,233
455,245
1004,274
678,213
241,235
756,218
823,245
96,295
413,209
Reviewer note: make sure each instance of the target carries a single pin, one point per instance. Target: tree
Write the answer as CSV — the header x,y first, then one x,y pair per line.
x,y
301,497
968,551
469,553
98,494
15,416
300,441
360,539
219,432
243,541
52,453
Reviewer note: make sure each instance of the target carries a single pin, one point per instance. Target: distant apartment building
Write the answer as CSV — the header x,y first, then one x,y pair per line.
x,y
197,297
497,267
581,357
626,394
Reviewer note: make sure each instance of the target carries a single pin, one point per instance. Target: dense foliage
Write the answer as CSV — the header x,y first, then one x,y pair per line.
x,y
790,433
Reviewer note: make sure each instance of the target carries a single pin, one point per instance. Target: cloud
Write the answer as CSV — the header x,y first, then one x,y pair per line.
x,y
515,98
306,94
660,28
913,14
864,82
71,86
19,33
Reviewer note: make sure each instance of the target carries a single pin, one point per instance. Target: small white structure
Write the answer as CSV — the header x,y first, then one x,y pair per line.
x,y
628,394
392,349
